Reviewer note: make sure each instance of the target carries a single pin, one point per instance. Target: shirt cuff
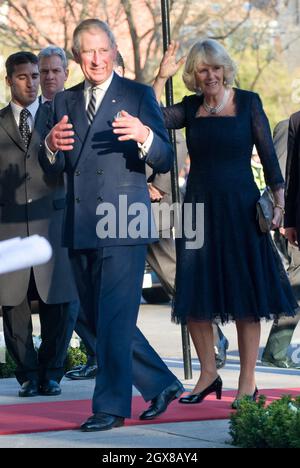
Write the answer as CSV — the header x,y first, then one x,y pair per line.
x,y
50,155
145,147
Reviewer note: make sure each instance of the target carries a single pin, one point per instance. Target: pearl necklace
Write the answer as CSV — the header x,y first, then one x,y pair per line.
x,y
217,109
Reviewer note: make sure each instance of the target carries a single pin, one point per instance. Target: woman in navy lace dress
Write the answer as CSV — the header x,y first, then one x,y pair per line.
x,y
236,274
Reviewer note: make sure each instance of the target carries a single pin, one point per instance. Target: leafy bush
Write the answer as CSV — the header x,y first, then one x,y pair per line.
x,y
75,357
256,425
8,368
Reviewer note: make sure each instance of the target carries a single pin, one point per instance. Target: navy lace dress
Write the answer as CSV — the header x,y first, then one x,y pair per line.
x,y
236,274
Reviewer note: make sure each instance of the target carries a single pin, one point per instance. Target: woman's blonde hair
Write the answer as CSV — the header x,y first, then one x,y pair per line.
x,y
210,52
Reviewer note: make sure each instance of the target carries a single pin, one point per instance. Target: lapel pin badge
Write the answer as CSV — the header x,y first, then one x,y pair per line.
x,y
113,100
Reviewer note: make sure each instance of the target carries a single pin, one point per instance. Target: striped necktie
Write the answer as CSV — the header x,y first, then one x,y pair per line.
x,y
24,127
91,110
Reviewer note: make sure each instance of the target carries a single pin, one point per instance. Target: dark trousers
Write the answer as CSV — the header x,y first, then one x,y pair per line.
x,y
161,256
109,282
48,362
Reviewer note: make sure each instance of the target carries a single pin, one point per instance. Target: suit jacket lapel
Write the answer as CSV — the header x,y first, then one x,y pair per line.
x,y
77,112
107,110
110,103
40,125
8,122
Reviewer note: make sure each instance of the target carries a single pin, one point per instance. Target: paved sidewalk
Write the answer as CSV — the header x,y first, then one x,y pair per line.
x,y
165,337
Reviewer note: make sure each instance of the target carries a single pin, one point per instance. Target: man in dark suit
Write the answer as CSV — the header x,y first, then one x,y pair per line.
x,y
103,150
32,203
286,141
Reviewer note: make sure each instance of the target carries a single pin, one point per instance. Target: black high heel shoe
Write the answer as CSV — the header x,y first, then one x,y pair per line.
x,y
216,386
236,403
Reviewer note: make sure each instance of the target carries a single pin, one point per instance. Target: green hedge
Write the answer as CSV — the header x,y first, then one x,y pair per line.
x,y
7,369
256,425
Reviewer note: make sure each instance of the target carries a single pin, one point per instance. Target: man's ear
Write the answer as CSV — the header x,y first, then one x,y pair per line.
x,y
8,81
76,55
67,74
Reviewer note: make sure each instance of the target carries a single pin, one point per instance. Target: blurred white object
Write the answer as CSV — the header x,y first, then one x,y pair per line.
x,y
75,341
17,253
37,341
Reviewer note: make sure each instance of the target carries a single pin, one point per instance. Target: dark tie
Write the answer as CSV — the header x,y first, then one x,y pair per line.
x,y
24,127
91,110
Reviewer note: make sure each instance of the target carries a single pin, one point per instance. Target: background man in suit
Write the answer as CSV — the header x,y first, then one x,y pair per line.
x,y
275,353
104,159
53,68
32,203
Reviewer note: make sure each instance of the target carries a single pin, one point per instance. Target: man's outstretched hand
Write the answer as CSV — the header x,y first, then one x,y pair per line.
x,y
60,137
130,128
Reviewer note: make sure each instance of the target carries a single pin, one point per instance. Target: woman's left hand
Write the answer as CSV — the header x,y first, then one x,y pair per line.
x,y
169,66
277,218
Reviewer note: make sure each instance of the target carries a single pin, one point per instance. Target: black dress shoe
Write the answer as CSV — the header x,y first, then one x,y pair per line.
x,y
102,422
221,351
194,398
29,389
160,403
82,373
50,388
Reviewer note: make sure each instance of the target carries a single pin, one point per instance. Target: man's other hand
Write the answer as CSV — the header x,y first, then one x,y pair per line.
x,y
291,235
60,137
130,128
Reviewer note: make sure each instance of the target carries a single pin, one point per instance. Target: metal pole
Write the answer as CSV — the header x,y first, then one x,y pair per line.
x,y
166,30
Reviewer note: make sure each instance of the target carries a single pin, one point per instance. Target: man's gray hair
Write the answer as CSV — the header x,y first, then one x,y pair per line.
x,y
89,24
54,50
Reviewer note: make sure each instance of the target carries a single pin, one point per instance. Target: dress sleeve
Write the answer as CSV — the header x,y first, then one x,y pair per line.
x,y
264,145
175,116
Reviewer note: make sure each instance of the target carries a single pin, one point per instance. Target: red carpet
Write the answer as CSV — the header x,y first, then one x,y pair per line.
x,y
66,415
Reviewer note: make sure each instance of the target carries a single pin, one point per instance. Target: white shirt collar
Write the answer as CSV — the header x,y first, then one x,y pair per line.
x,y
103,86
16,109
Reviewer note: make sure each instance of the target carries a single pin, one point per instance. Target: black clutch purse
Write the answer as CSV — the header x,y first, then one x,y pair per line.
x,y
265,210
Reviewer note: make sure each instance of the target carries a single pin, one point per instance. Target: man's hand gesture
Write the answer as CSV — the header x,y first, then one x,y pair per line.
x,y
60,137
130,128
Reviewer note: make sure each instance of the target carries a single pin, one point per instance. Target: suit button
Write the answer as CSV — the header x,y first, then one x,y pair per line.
x,y
29,200
27,156
99,172
100,199
28,177
77,173
77,199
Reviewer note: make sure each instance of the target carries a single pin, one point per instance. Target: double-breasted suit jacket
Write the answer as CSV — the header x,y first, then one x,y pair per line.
x,y
32,202
100,168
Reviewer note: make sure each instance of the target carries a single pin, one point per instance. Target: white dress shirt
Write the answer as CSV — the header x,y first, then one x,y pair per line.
x,y
100,91
32,108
